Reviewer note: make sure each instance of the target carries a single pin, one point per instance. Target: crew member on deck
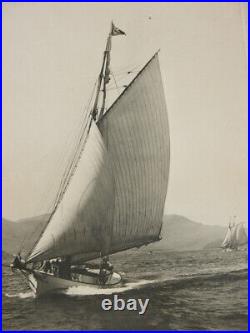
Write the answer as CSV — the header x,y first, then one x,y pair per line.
x,y
64,271
47,267
106,269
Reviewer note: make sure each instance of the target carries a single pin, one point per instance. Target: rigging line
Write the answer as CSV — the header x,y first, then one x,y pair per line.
x,y
22,243
129,71
30,236
67,147
126,68
69,175
65,156
68,161
60,194
129,85
80,131
66,185
67,169
123,75
75,151
117,88
120,79
53,182
55,208
73,163
84,121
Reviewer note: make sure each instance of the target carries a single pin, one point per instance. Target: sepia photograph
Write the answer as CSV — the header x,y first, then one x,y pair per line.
x,y
125,166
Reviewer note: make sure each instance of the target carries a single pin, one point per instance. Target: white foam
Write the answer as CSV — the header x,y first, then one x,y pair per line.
x,y
28,294
94,290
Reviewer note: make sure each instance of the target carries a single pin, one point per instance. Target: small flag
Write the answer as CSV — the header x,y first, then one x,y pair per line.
x,y
116,31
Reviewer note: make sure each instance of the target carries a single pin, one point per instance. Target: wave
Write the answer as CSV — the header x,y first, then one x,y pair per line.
x,y
217,270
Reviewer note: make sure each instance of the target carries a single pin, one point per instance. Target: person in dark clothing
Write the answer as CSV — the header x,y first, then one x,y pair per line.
x,y
18,263
64,271
106,269
54,267
47,267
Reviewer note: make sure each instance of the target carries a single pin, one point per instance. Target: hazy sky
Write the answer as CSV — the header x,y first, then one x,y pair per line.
x,y
51,58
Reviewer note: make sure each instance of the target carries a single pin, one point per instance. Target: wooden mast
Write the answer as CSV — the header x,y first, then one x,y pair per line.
x,y
103,78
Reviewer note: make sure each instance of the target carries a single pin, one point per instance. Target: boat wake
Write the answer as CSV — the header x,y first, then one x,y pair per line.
x,y
28,294
157,280
91,290
145,282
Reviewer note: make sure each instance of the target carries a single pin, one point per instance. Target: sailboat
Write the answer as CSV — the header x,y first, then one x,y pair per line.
x,y
112,195
235,238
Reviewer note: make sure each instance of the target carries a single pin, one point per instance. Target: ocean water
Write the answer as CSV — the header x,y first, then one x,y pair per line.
x,y
195,290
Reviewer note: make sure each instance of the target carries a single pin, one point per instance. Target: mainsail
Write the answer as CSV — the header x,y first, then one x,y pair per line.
x,y
235,237
115,198
135,131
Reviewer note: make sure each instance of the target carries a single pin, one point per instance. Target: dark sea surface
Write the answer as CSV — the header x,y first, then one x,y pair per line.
x,y
196,290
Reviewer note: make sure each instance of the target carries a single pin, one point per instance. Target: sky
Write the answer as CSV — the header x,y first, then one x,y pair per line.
x,y
52,54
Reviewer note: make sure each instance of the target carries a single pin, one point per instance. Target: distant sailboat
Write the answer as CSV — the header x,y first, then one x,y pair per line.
x,y
112,196
236,237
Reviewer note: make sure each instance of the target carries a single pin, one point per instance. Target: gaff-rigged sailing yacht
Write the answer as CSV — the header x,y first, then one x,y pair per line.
x,y
236,237
113,193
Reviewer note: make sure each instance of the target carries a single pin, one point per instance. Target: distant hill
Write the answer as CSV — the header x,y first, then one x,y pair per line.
x,y
178,234
21,233
215,244
6,258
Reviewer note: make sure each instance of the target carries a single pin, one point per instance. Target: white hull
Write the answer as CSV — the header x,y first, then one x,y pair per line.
x,y
42,283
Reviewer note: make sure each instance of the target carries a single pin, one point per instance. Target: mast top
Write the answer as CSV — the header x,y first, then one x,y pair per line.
x,y
104,76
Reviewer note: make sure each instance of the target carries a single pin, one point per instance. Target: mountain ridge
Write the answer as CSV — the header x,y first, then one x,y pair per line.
x,y
178,234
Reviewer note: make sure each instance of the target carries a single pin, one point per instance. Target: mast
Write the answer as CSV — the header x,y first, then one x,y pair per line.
x,y
100,78
93,165
115,199
104,76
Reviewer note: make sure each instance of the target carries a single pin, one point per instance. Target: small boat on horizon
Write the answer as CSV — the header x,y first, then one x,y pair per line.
x,y
236,237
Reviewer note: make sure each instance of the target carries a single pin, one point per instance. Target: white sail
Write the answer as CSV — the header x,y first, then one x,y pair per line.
x,y
241,236
135,131
82,222
236,236
227,241
115,199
